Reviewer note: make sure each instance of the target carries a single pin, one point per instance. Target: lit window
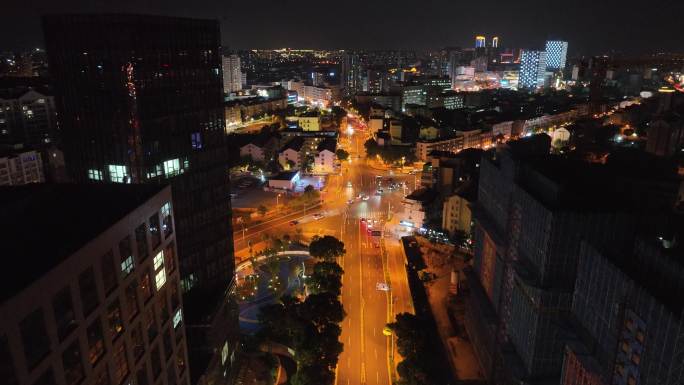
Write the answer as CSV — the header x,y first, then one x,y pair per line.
x,y
127,265
171,167
94,174
160,279
196,140
177,318
159,260
224,353
166,209
117,173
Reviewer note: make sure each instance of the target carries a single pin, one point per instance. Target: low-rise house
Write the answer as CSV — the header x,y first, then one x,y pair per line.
x,y
456,213
18,167
290,156
325,159
420,207
260,149
286,180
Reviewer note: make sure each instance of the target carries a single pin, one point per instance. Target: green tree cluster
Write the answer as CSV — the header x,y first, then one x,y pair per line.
x,y
419,366
326,247
390,154
311,326
342,155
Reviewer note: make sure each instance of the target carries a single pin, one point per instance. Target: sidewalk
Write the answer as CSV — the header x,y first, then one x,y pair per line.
x,y
461,355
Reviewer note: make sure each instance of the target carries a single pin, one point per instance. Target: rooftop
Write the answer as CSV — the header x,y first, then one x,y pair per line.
x,y
46,223
327,144
423,195
285,175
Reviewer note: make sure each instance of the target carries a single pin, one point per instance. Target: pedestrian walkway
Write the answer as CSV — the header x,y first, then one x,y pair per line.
x,y
459,349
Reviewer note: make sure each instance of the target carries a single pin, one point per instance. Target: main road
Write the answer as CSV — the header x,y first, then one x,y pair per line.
x,y
370,263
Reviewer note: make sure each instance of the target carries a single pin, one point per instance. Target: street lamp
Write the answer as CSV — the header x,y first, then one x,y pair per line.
x,y
277,196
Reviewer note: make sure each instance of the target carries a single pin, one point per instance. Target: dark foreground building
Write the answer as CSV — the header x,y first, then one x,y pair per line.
x,y
93,297
535,215
141,101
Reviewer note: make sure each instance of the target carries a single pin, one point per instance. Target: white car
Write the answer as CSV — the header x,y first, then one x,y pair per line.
x,y
365,197
317,216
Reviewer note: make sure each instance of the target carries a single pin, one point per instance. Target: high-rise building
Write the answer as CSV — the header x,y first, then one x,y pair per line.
x,y
378,81
631,323
532,69
350,81
95,300
480,42
495,42
28,118
21,166
556,54
129,117
232,74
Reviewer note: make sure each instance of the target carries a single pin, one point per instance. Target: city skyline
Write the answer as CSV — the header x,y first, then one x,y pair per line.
x,y
433,25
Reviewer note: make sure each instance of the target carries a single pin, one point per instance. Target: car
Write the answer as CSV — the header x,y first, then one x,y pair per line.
x,y
350,201
317,216
387,331
365,198
293,223
363,219
349,184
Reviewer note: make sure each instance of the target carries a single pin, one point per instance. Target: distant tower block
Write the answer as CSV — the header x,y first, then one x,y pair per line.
x,y
495,42
480,42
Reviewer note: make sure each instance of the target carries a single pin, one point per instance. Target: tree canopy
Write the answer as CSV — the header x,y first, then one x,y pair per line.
x,y
326,247
420,364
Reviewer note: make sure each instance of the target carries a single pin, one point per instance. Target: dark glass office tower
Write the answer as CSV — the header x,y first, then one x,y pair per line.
x,y
141,101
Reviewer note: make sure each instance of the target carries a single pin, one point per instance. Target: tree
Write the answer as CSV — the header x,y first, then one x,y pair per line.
x,y
326,277
326,247
338,114
322,309
460,238
342,155
372,147
420,364
310,196
262,210
308,164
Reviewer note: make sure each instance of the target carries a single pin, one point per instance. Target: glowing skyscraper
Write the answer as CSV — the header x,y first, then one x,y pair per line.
x,y
495,42
556,54
532,69
480,41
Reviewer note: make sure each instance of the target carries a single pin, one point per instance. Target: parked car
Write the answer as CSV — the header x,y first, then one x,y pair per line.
x,y
293,223
317,216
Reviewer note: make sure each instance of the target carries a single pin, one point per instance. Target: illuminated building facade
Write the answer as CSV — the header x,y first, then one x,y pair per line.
x,y
495,42
19,167
532,69
480,41
97,301
350,81
129,117
556,54
529,221
232,74
29,118
631,323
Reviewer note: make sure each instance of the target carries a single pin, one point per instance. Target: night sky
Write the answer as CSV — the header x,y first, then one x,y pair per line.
x,y
591,26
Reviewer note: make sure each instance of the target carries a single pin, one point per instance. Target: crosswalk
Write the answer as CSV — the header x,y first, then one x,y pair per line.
x,y
368,214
